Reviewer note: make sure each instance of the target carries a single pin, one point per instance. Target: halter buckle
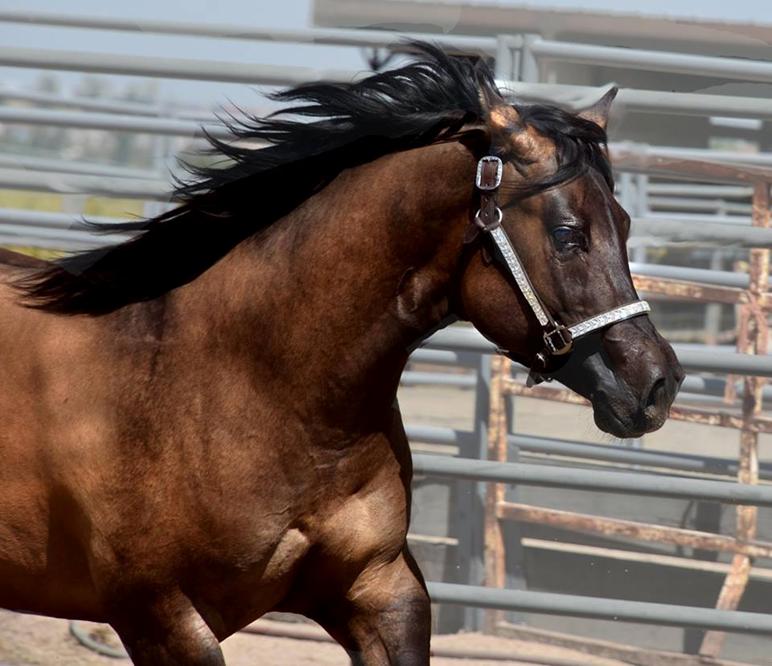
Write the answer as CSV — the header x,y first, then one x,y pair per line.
x,y
489,171
558,340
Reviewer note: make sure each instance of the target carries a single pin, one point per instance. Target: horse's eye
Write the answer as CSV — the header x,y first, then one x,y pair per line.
x,y
567,236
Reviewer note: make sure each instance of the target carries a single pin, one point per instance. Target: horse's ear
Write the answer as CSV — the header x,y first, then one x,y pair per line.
x,y
598,113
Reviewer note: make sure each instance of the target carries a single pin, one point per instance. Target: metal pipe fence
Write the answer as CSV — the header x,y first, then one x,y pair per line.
x,y
601,609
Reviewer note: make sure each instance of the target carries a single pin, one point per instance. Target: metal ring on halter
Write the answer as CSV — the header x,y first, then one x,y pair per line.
x,y
492,225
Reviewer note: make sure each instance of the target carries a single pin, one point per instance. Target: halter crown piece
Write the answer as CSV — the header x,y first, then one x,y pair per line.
x,y
558,338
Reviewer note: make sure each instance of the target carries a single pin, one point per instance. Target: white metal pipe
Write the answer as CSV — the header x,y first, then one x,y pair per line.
x,y
73,102
599,608
647,101
626,483
655,61
110,122
167,67
37,219
691,190
705,233
130,188
72,166
329,36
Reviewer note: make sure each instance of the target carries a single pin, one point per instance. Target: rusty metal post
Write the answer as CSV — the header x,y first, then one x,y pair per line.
x,y
753,339
495,557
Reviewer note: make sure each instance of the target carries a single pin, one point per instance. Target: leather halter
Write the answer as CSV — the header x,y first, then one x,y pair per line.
x,y
558,338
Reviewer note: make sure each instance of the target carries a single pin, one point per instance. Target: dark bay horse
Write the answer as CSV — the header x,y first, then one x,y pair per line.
x,y
199,424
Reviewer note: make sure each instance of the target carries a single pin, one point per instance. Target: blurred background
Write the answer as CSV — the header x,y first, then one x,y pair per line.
x,y
98,102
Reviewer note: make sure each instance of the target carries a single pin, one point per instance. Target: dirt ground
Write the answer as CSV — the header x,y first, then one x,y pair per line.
x,y
28,640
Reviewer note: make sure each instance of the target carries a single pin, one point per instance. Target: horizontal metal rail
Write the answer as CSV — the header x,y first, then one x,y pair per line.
x,y
20,235
676,152
689,190
167,67
129,188
699,205
71,166
75,102
698,218
699,275
55,244
111,122
645,101
637,158
332,37
443,357
712,233
626,483
551,603
446,436
415,378
653,61
37,218
623,455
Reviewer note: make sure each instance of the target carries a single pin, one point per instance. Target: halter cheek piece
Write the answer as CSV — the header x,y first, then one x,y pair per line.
x,y
558,338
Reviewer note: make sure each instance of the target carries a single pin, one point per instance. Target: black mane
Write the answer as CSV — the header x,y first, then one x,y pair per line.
x,y
426,101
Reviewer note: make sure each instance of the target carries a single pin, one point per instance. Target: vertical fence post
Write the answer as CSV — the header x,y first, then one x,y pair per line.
x,y
505,59
529,65
495,558
752,339
470,503
713,310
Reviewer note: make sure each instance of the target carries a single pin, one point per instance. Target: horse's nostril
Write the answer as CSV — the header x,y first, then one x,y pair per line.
x,y
655,395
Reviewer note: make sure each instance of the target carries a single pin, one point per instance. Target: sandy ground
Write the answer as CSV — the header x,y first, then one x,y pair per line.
x,y
27,640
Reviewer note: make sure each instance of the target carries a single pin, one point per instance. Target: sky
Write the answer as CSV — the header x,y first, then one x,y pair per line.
x,y
294,14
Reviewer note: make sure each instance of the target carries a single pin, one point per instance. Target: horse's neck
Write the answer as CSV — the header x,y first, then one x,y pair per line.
x,y
334,294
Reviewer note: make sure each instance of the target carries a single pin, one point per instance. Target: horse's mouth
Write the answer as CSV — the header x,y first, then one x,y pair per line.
x,y
627,424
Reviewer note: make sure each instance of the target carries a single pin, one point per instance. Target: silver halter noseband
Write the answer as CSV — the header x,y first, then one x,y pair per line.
x,y
558,338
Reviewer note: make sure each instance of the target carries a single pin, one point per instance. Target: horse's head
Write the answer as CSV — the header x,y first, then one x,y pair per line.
x,y
560,216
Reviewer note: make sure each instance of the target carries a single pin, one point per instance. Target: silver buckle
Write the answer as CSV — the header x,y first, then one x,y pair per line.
x,y
558,340
479,181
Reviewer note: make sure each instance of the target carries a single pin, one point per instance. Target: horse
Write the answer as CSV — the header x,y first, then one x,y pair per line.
x,y
200,423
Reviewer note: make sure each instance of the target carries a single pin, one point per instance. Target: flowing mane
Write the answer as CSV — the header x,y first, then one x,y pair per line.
x,y
342,125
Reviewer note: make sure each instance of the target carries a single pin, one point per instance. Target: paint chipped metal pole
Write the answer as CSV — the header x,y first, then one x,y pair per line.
x,y
752,339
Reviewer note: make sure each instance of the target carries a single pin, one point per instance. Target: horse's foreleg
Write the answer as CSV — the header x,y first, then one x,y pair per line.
x,y
166,632
386,618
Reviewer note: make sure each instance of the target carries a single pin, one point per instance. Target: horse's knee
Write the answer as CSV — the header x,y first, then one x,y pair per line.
x,y
386,617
